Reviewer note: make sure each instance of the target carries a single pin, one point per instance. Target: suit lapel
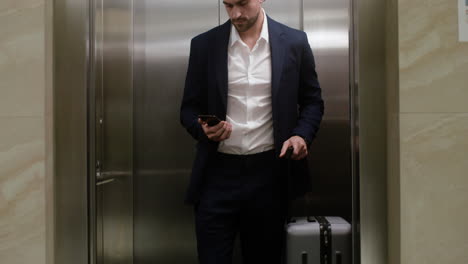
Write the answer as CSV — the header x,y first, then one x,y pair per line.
x,y
222,42
277,56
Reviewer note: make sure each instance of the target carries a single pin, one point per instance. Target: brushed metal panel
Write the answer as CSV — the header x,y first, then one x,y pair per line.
x,y
70,50
355,132
372,33
113,122
327,24
163,225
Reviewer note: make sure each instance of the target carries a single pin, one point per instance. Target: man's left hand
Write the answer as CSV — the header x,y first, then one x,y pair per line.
x,y
299,145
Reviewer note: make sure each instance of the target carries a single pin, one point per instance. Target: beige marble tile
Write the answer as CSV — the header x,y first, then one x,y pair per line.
x,y
22,73
11,6
7,7
22,196
22,22
433,64
434,188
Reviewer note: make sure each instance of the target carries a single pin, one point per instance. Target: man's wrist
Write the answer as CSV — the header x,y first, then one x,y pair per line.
x,y
305,139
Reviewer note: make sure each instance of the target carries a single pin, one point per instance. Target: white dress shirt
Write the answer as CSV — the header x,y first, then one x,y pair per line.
x,y
249,95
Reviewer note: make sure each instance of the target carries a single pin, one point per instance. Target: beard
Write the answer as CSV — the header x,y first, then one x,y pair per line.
x,y
243,24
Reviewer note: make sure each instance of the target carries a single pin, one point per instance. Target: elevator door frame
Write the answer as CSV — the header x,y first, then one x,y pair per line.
x,y
73,159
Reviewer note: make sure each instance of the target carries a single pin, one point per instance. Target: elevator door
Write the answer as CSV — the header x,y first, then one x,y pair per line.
x,y
111,120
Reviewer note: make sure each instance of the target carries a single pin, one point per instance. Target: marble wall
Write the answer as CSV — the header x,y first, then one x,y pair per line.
x,y
434,188
433,113
22,132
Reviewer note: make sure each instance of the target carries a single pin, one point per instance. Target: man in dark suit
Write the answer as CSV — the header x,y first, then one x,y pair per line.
x,y
259,77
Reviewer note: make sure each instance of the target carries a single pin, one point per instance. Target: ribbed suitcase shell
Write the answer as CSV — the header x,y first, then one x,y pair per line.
x,y
303,241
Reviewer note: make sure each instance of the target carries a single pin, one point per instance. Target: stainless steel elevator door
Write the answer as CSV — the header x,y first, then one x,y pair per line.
x,y
113,134
163,151
327,24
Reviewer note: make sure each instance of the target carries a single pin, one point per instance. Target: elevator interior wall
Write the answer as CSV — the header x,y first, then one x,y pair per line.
x,y
163,151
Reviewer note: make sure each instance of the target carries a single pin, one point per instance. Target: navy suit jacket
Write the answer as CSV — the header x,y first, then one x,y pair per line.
x,y
297,105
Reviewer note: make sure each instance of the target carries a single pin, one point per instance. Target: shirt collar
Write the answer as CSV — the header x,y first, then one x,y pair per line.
x,y
263,35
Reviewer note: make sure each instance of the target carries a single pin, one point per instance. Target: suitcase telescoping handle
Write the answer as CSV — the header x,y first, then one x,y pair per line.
x,y
288,155
338,257
304,257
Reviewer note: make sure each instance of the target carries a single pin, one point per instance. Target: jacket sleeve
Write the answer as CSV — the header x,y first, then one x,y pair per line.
x,y
311,106
191,105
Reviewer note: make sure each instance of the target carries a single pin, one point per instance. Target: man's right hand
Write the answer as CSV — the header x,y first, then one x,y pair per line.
x,y
218,132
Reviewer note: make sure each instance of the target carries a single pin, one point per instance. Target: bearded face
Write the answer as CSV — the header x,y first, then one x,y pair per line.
x,y
243,13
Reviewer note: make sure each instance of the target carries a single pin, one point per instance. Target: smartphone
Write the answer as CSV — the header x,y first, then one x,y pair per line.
x,y
211,120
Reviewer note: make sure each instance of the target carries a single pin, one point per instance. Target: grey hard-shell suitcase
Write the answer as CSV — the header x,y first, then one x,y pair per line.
x,y
318,240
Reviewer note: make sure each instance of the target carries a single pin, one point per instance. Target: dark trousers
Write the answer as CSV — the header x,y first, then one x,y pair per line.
x,y
242,195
